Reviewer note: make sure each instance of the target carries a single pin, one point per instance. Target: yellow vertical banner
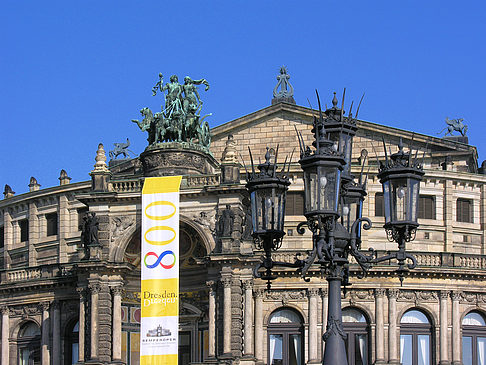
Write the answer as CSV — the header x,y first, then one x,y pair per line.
x,y
159,323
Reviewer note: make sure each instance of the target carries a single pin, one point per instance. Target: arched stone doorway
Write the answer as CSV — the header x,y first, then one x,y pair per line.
x,y
193,321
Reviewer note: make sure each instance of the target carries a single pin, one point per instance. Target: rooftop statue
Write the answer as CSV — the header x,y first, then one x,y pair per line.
x,y
180,119
121,148
286,92
455,125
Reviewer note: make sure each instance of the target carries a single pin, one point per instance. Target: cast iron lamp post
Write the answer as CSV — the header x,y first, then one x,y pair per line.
x,y
332,208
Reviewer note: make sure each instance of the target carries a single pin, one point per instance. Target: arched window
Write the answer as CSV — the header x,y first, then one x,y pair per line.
x,y
285,338
356,327
474,339
28,344
71,344
415,339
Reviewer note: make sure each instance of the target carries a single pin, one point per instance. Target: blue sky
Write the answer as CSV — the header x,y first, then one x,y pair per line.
x,y
74,73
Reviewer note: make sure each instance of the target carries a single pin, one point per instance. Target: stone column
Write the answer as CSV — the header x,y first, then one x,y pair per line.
x,y
226,314
212,319
82,314
117,323
56,333
380,326
448,216
313,340
63,228
259,324
324,317
5,334
248,286
45,334
392,327
95,289
456,329
444,353
8,237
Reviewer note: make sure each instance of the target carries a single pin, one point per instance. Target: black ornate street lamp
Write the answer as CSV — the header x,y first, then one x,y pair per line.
x,y
332,207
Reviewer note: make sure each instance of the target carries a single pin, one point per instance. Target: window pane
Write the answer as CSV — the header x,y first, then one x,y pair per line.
x,y
464,210
24,230
2,236
414,316
294,204
467,350
426,207
406,349
361,350
353,316
379,206
276,355
481,350
51,220
75,353
295,350
473,319
423,350
285,316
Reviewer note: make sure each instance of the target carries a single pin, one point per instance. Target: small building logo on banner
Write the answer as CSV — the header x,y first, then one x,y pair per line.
x,y
160,271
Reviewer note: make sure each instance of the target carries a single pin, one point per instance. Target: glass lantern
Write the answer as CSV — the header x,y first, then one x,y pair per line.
x,y
268,207
400,179
322,179
351,207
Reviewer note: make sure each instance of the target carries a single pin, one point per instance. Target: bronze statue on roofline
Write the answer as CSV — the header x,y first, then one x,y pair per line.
x,y
180,120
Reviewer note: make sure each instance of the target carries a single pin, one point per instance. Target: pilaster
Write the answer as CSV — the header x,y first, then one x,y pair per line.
x,y
448,216
393,358
258,293
248,331
45,358
313,340
380,326
5,334
63,229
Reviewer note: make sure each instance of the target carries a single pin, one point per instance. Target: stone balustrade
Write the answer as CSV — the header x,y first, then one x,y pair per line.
x,y
33,273
424,259
127,186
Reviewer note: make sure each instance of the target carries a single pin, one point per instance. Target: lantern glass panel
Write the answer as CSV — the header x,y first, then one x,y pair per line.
x,y
387,201
344,143
268,208
311,190
350,210
414,197
401,198
329,180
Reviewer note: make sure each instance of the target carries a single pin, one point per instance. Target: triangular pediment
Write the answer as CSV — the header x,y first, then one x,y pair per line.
x,y
276,125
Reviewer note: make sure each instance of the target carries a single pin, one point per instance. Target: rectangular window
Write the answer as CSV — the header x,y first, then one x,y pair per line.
x,y
51,220
379,205
426,207
464,210
2,236
81,214
24,230
294,205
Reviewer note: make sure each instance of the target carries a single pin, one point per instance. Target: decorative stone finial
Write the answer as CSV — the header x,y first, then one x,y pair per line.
x,y
230,168
100,175
33,185
286,93
100,165
64,179
229,153
8,192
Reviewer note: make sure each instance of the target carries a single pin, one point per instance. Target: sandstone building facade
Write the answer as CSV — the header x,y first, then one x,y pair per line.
x,y
61,304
